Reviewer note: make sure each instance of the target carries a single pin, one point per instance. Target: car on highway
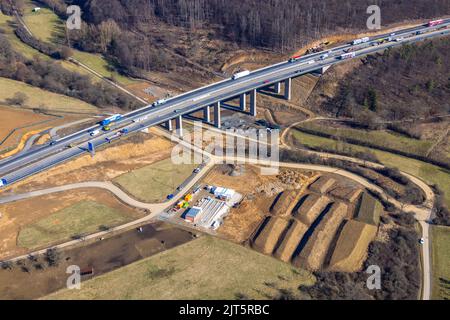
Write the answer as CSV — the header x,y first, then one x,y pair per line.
x,y
177,110
196,170
106,128
71,146
266,81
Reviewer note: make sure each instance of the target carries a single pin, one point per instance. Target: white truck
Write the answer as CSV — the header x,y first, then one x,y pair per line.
x,y
348,55
240,74
359,41
94,132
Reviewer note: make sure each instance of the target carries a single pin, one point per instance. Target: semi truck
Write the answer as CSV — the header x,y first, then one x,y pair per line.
x,y
359,41
3,183
109,120
158,102
435,23
348,55
140,119
294,58
240,74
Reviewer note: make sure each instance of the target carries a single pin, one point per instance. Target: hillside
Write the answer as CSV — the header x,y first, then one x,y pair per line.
x,y
405,83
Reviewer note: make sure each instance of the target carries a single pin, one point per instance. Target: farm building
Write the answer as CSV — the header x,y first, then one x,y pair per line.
x,y
193,214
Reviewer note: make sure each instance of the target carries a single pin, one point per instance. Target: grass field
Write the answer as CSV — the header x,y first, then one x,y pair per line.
x,y
154,182
206,268
19,46
440,262
38,98
80,218
430,173
100,65
44,24
378,138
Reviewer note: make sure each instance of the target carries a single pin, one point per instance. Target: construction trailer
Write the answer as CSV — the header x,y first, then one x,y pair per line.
x,y
193,214
223,193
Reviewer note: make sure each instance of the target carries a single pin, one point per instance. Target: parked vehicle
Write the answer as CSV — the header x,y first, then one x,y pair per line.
x,y
3,183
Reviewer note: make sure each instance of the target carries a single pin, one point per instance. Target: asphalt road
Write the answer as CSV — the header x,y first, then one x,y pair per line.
x,y
35,161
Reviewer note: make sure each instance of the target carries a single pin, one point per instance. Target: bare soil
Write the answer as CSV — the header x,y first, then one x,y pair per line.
x,y
18,215
28,281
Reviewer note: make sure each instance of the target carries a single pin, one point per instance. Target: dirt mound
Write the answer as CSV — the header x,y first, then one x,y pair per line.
x,y
346,193
310,208
369,210
313,255
284,203
351,246
268,234
322,185
290,242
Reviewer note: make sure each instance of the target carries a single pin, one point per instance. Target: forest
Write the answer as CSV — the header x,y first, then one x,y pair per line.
x,y
121,29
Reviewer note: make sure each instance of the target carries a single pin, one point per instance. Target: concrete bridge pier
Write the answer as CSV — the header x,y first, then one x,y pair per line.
x,y
287,88
179,125
277,87
253,102
207,114
168,125
217,120
243,102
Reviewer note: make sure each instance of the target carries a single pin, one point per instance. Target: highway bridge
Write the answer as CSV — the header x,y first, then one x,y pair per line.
x,y
209,98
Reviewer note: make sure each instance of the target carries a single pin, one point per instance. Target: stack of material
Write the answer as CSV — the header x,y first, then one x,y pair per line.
x,y
290,242
322,185
314,253
311,208
285,203
351,247
268,234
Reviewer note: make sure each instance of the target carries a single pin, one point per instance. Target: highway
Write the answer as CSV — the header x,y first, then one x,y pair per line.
x,y
37,160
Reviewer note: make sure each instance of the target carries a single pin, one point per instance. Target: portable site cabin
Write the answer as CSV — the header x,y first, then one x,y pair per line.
x,y
193,214
223,193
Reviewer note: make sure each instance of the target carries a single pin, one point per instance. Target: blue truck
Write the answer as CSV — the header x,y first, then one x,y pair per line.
x,y
3,183
115,117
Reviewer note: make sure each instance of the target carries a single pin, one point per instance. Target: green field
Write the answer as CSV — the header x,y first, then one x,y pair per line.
x,y
80,218
6,25
430,173
154,182
440,262
38,98
44,24
380,138
206,268
99,64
